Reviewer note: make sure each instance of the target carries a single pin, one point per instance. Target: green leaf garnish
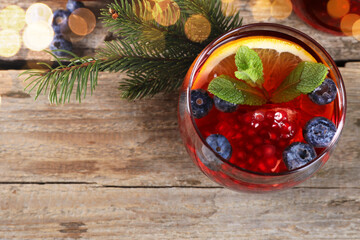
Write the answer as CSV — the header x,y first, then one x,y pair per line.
x,y
250,68
236,92
302,80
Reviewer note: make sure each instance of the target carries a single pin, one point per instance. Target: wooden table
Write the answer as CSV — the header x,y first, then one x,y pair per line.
x,y
113,169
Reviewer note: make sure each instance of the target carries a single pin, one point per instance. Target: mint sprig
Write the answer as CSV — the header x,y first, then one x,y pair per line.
x,y
236,92
249,89
249,65
302,80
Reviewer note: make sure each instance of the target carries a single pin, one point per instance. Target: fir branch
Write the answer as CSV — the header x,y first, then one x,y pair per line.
x,y
154,57
149,70
59,82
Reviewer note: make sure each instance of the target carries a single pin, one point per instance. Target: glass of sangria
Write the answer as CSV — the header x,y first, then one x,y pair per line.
x,y
271,140
336,17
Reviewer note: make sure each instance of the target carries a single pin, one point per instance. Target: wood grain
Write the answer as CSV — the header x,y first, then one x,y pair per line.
x,y
90,212
340,48
110,141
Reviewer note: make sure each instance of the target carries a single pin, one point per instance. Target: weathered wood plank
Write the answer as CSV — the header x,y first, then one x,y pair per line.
x,y
340,48
115,142
90,212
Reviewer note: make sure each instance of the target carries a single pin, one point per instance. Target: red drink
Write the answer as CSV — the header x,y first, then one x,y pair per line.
x,y
258,134
331,16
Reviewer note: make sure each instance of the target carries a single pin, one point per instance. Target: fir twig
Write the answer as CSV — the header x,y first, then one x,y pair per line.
x,y
59,82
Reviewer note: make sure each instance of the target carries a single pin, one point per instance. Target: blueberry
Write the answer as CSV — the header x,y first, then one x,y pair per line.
x,y
319,131
60,43
224,106
201,103
220,145
71,5
298,154
325,93
60,19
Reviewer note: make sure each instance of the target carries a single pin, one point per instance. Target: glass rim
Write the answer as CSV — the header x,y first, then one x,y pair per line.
x,y
341,90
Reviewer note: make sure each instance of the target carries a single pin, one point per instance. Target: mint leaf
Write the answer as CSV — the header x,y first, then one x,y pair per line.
x,y
236,92
302,80
250,68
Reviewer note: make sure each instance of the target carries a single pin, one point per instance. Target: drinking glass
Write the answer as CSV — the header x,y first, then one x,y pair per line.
x,y
223,171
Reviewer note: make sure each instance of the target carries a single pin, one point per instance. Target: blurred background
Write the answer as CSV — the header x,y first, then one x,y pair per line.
x,y
28,27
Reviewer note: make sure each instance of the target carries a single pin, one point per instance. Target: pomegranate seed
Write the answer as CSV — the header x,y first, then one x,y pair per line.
x,y
268,150
258,152
282,143
279,115
270,115
257,140
273,136
247,119
285,136
251,132
263,133
267,141
259,116
249,146
241,155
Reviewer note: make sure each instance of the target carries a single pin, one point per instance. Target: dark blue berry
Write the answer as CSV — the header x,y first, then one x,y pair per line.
x,y
325,93
71,5
60,20
319,131
224,106
201,103
220,145
298,154
60,43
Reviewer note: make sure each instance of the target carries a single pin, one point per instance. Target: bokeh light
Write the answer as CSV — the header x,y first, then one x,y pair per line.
x,y
38,36
12,17
10,42
347,23
338,8
166,12
197,28
229,8
82,21
261,9
356,29
38,12
146,8
281,9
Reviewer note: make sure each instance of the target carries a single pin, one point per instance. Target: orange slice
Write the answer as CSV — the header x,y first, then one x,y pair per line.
x,y
279,57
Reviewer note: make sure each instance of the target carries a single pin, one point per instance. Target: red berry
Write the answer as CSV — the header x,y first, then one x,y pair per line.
x,y
259,116
241,155
251,132
279,115
268,150
285,136
270,115
273,136
283,143
249,146
257,140
247,119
